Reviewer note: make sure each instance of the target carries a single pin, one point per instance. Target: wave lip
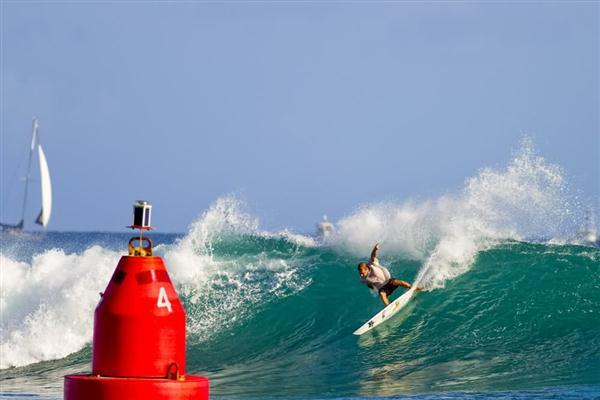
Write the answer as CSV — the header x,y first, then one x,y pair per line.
x,y
527,200
48,306
225,268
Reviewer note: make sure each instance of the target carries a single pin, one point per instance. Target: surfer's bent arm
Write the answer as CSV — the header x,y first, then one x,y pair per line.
x,y
374,254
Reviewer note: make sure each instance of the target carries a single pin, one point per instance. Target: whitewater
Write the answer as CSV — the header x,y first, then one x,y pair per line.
x,y
511,305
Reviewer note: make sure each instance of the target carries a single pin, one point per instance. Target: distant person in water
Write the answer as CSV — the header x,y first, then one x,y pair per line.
x,y
376,276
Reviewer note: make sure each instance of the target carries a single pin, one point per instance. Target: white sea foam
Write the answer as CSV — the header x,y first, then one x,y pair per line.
x,y
222,290
527,200
296,238
47,306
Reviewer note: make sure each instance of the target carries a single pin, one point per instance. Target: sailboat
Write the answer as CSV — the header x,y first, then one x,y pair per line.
x,y
46,186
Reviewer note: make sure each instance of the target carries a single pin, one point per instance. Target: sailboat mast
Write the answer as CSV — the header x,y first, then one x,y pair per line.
x,y
33,140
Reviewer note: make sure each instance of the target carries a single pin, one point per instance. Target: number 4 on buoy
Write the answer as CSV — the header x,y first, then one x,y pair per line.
x,y
163,300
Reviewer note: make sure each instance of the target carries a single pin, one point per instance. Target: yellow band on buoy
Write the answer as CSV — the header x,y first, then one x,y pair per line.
x,y
140,251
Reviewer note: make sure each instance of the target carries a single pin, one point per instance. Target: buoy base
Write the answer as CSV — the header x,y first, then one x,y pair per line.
x,y
92,387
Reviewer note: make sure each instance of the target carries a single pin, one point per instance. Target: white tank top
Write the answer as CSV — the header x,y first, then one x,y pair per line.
x,y
378,275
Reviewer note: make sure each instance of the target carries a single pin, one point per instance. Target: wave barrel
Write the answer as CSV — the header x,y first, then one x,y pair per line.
x,y
139,333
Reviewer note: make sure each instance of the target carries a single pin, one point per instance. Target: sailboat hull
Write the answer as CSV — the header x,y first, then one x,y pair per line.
x,y
9,228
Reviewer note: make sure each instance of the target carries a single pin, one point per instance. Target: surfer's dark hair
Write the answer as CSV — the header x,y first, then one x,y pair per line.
x,y
362,264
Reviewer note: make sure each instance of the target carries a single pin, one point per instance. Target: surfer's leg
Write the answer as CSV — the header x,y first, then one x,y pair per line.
x,y
384,298
417,289
398,282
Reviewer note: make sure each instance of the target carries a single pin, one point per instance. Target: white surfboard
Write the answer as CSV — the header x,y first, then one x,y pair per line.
x,y
387,313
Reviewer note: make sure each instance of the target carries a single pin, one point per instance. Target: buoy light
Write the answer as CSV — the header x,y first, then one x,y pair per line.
x,y
142,212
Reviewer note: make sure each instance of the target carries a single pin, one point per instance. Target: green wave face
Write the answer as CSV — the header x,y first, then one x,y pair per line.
x,y
271,315
523,316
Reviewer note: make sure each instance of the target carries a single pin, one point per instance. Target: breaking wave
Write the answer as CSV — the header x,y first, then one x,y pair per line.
x,y
512,297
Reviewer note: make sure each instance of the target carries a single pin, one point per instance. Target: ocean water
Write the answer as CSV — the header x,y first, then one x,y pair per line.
x,y
511,308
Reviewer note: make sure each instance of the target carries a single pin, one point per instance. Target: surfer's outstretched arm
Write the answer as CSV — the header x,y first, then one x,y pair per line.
x,y
374,253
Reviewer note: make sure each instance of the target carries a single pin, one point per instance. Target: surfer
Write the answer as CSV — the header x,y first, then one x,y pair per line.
x,y
376,276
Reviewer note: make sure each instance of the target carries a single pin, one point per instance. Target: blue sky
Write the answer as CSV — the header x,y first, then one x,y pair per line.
x,y
300,108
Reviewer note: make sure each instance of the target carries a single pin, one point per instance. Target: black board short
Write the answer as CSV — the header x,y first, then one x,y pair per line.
x,y
389,287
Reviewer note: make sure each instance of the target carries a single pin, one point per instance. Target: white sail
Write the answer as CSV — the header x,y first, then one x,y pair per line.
x,y
34,134
46,210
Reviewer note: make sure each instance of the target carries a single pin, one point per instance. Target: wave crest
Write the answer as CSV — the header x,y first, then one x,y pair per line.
x,y
527,200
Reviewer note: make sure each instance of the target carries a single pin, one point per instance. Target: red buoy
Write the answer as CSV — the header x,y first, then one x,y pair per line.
x,y
141,308
139,333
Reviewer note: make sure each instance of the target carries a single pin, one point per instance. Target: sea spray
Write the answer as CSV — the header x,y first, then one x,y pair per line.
x,y
527,200
47,305
223,279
